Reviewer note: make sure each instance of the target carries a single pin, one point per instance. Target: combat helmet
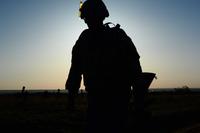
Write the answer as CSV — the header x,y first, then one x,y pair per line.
x,y
93,8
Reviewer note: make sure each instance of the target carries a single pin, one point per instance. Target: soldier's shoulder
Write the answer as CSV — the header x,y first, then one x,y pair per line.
x,y
85,33
118,30
80,43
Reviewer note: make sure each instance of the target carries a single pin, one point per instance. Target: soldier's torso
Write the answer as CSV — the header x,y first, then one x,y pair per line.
x,y
103,58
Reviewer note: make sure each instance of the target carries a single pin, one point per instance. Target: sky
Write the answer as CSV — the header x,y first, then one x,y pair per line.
x,y
36,38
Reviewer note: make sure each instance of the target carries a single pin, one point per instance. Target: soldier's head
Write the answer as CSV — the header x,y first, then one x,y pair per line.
x,y
93,12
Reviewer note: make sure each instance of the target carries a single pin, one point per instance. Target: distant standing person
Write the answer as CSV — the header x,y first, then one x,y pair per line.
x,y
109,63
23,89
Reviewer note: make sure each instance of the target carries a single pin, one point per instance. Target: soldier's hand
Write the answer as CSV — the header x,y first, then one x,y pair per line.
x,y
71,102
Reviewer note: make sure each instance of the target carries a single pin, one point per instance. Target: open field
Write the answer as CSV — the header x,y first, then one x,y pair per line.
x,y
170,113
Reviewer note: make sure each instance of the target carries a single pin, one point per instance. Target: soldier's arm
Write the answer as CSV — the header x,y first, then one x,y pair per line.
x,y
74,77
135,63
135,60
133,54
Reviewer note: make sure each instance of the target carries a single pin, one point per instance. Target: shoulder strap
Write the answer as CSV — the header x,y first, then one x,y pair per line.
x,y
113,25
115,29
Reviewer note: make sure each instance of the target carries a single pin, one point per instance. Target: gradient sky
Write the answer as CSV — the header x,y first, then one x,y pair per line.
x,y
36,38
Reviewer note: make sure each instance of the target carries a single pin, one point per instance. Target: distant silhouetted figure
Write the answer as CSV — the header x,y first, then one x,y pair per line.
x,y
23,89
58,91
109,63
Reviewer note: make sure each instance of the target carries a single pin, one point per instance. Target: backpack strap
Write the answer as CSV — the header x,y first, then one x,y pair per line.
x,y
113,25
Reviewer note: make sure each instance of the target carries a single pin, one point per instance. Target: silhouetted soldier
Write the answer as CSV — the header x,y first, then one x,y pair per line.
x,y
109,63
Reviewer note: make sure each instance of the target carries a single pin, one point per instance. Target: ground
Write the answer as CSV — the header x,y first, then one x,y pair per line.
x,y
48,112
